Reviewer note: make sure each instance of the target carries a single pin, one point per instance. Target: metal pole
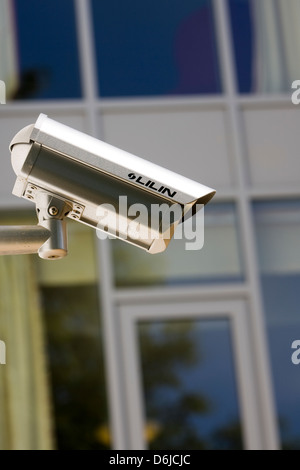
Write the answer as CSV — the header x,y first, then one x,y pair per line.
x,y
22,239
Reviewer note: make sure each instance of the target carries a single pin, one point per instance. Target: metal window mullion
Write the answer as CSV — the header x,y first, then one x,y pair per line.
x,y
110,339
133,388
158,294
18,107
260,351
245,377
88,72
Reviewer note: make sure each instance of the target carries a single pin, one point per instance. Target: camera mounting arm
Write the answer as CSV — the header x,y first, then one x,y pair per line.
x,y
22,239
48,238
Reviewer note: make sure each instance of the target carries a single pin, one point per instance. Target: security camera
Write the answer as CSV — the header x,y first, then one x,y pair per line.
x,y
69,174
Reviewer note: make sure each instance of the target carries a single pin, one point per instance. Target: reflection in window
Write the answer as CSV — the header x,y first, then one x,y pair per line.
x,y
54,386
47,50
76,369
266,44
25,402
25,411
218,261
278,234
155,47
70,303
188,406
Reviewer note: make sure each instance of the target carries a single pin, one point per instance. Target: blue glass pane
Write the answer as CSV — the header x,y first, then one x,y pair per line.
x,y
278,235
241,25
266,44
282,300
189,385
155,47
47,50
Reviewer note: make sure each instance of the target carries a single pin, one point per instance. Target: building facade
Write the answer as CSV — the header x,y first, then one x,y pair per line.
x,y
189,349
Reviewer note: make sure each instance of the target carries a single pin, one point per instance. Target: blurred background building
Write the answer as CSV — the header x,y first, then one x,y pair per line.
x,y
112,348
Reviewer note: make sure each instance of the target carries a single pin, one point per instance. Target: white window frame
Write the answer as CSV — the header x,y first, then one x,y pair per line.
x,y
236,313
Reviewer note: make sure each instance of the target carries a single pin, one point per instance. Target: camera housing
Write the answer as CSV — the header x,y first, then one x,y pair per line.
x,y
83,174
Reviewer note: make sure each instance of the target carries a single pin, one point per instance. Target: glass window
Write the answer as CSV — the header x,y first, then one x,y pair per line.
x,y
54,379
75,361
155,47
241,26
278,235
266,44
46,47
218,261
187,406
70,305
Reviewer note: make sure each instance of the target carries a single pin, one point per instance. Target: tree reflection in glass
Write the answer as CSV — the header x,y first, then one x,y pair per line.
x,y
76,367
189,385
